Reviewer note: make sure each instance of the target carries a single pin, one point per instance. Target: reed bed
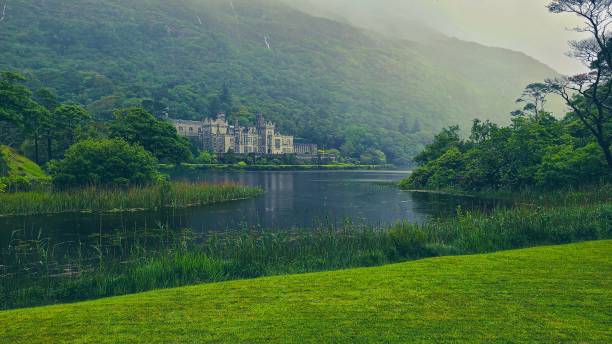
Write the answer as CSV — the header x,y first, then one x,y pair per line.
x,y
34,271
98,199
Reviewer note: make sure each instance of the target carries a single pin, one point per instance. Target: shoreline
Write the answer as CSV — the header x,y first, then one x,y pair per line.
x,y
239,167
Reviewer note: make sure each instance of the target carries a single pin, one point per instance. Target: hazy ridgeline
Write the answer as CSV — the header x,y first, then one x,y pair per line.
x,y
36,271
99,199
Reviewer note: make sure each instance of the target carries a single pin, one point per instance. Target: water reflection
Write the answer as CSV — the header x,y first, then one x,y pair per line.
x,y
292,200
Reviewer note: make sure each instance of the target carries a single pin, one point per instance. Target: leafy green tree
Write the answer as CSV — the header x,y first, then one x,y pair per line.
x,y
15,98
18,107
137,126
531,152
373,157
534,98
448,138
67,125
105,162
589,95
566,165
223,102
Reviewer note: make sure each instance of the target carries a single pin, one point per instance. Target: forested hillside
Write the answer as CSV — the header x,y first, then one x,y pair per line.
x,y
323,80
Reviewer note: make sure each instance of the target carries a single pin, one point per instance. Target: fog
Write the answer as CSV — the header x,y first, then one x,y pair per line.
x,y
522,25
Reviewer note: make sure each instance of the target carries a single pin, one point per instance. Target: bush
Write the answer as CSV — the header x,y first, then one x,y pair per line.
x,y
23,184
3,166
104,162
206,158
564,165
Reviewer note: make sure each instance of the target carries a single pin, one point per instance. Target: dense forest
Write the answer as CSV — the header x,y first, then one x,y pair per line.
x,y
323,80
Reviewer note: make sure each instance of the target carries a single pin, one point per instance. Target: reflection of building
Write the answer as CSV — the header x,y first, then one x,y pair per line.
x,y
218,136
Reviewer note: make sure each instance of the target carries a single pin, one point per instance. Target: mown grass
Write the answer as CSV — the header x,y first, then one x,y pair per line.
x,y
34,272
99,199
537,295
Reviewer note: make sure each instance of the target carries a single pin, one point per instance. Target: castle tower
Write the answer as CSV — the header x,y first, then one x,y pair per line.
x,y
261,122
221,116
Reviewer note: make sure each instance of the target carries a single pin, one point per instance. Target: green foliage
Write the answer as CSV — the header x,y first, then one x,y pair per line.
x,y
447,139
4,168
536,151
565,164
318,79
68,124
206,158
139,127
16,103
104,162
373,157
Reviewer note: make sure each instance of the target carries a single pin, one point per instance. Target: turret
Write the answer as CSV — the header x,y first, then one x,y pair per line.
x,y
221,116
261,122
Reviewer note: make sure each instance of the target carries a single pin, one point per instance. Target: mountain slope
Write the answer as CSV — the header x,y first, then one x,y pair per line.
x,y
324,80
548,294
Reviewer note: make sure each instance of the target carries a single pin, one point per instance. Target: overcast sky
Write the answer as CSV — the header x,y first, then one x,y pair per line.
x,y
524,25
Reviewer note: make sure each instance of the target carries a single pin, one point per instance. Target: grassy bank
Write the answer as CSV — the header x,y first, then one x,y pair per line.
x,y
546,294
19,165
93,199
244,167
35,272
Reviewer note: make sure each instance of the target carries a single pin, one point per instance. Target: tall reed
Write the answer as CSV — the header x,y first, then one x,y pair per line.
x,y
98,199
35,271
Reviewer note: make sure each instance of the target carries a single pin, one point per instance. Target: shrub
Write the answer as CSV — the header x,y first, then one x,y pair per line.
x,y
564,165
104,162
3,165
206,158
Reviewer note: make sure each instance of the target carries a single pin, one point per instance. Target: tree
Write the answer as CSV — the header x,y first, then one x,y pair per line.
x,y
34,123
137,126
448,138
19,108
589,94
105,162
66,124
223,102
48,99
15,98
534,97
373,157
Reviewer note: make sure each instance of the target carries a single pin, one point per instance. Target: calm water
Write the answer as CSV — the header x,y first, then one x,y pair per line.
x,y
292,200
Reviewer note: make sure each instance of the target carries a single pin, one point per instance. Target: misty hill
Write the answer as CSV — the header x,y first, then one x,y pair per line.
x,y
322,79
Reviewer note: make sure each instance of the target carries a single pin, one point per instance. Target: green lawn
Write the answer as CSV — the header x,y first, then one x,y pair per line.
x,y
547,294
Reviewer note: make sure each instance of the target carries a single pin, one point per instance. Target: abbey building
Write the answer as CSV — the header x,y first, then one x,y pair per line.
x,y
218,136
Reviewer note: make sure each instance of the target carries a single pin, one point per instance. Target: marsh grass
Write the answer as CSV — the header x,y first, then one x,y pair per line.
x,y
36,271
99,199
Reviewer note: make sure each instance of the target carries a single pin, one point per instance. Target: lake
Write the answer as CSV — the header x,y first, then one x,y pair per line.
x,y
299,199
